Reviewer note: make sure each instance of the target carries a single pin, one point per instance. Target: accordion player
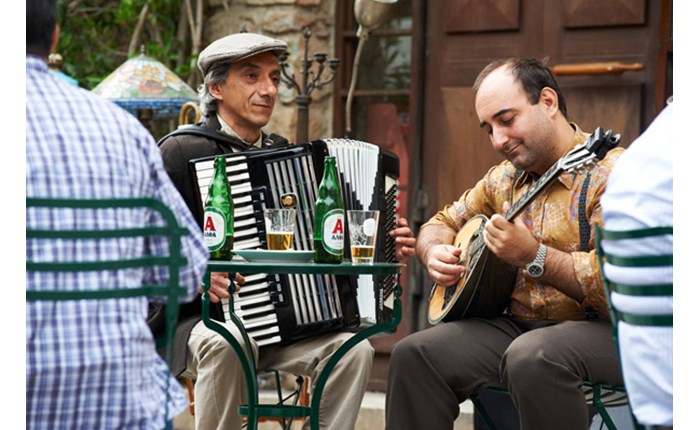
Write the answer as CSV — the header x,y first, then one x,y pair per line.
x,y
278,309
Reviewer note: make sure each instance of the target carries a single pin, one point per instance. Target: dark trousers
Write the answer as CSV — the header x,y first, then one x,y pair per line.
x,y
542,365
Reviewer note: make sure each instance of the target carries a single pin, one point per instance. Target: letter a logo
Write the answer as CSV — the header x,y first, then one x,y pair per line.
x,y
209,224
338,227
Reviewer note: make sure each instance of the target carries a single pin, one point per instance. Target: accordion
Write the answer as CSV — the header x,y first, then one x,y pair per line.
x,y
278,309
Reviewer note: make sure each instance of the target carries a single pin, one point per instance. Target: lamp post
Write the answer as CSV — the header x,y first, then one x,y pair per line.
x,y
370,14
310,81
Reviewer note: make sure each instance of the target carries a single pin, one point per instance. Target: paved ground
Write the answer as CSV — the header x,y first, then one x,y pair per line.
x,y
371,417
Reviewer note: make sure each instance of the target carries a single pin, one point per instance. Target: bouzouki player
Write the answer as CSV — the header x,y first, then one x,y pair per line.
x,y
552,332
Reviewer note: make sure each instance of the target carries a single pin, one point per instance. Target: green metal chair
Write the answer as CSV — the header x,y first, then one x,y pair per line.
x,y
600,396
636,261
173,260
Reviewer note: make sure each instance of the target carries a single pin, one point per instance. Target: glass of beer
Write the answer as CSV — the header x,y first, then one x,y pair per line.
x,y
363,228
280,225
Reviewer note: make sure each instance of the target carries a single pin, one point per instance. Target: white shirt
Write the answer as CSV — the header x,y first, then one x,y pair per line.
x,y
639,194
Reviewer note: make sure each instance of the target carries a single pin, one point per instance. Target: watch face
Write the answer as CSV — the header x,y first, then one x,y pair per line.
x,y
535,270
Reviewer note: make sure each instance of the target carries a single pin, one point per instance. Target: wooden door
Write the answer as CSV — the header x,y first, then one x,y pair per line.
x,y
462,36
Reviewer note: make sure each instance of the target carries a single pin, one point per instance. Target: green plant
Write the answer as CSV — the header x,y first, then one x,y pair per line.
x,y
97,36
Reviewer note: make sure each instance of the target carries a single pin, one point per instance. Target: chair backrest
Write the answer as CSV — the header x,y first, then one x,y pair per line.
x,y
172,260
625,250
643,261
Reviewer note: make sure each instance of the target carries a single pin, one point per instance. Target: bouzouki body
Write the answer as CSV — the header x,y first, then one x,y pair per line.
x,y
485,288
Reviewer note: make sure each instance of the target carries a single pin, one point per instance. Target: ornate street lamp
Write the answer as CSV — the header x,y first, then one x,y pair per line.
x,y
310,81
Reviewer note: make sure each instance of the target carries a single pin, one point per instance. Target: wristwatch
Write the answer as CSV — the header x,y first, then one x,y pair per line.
x,y
536,268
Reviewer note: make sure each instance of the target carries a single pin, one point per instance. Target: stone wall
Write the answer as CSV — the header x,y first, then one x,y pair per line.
x,y
285,20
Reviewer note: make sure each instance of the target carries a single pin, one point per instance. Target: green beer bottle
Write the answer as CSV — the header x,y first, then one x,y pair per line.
x,y
218,214
329,217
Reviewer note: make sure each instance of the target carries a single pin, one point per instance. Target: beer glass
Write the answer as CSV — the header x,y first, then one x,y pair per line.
x,y
280,224
363,228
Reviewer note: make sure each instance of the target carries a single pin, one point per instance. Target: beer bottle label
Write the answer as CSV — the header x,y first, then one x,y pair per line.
x,y
214,228
334,231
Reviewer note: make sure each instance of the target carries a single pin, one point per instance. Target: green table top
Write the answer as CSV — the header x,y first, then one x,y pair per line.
x,y
346,268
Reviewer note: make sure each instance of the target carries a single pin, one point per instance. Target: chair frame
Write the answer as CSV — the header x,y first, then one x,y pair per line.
x,y
254,410
173,260
652,290
600,396
299,396
635,261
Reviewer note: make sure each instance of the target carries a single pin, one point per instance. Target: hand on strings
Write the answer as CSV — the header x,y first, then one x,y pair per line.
x,y
442,264
512,242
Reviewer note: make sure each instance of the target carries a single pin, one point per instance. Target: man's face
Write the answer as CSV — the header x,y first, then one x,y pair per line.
x,y
519,130
247,97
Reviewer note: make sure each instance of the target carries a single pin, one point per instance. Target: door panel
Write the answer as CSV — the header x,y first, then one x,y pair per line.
x,y
479,15
468,160
593,13
617,108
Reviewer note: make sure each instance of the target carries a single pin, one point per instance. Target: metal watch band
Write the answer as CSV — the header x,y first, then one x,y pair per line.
x,y
536,268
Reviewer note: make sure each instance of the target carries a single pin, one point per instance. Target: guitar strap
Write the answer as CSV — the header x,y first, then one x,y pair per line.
x,y
584,227
583,223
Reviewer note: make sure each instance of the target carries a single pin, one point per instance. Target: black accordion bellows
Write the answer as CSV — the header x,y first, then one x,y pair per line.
x,y
284,308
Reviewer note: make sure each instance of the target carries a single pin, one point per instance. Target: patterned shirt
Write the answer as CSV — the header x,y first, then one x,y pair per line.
x,y
552,218
92,364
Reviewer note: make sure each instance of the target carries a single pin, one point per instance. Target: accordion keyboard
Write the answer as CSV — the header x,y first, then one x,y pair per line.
x,y
253,304
282,308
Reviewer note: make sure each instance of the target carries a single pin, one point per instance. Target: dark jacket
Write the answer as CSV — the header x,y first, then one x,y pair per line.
x,y
177,149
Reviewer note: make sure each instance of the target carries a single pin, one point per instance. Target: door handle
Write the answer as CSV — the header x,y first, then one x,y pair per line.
x,y
601,68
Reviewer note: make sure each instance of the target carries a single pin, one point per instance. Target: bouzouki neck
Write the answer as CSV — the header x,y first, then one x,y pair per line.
x,y
534,191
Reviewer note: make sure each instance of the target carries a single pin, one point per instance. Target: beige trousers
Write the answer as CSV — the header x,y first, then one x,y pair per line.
x,y
220,384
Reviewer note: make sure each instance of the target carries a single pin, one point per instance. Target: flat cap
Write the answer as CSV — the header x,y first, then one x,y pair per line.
x,y
236,47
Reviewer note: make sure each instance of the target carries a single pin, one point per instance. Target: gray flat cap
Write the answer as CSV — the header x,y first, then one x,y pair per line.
x,y
236,47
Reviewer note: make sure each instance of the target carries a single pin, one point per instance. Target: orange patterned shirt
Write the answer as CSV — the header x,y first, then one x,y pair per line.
x,y
552,218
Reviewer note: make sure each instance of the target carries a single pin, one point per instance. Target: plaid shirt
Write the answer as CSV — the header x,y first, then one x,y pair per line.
x,y
552,218
92,364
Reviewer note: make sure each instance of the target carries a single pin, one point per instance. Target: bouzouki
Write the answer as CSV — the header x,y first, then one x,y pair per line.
x,y
484,289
